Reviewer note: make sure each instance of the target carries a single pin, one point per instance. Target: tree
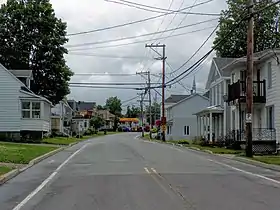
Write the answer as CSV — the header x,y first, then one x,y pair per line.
x,y
155,112
235,44
99,107
114,105
132,112
97,122
31,37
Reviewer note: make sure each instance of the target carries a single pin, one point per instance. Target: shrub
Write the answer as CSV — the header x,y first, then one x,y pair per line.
x,y
183,142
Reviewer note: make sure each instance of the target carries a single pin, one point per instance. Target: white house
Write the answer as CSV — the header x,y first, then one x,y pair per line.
x,y
215,117
266,95
61,118
21,111
181,123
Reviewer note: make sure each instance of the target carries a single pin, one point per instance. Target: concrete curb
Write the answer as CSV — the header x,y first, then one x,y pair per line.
x,y
6,177
257,163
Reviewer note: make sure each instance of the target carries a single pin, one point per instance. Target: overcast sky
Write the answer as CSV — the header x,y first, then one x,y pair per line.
x,y
94,14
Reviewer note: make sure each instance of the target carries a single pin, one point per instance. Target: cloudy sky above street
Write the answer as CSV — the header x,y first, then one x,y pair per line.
x,y
88,15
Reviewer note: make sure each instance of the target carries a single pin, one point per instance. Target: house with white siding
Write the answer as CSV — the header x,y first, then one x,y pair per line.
x,y
61,119
181,123
266,95
22,112
226,115
215,117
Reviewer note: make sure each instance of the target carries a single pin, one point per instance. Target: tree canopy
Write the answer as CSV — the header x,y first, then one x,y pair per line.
x,y
114,105
132,112
97,122
235,44
32,37
155,110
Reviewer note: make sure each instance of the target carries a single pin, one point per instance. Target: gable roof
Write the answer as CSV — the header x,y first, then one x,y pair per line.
x,y
217,65
175,98
23,88
21,73
187,98
82,105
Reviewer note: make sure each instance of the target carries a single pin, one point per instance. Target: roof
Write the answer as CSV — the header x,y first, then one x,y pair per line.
x,y
187,98
175,98
213,109
21,73
221,63
24,89
82,105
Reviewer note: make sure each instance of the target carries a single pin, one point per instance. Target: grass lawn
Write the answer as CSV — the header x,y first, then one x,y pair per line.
x,y
268,159
21,153
4,170
70,140
217,150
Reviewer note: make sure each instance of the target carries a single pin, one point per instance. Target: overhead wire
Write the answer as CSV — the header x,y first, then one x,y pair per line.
x,y
142,35
163,12
131,23
108,56
141,41
203,58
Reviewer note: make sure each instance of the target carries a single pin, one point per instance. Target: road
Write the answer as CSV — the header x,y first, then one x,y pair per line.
x,y
120,172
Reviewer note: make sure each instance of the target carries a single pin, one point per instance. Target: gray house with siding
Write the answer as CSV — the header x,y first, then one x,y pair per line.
x,y
21,111
181,123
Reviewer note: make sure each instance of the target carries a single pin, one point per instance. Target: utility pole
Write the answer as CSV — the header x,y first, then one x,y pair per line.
x,y
150,103
142,114
163,58
148,73
249,82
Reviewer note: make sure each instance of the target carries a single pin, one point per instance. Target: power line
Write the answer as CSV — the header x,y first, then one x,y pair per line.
x,y
116,83
109,74
141,41
131,99
142,35
131,23
105,87
201,60
164,12
108,56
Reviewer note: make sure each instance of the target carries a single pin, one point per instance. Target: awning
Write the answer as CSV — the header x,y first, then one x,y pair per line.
x,y
211,109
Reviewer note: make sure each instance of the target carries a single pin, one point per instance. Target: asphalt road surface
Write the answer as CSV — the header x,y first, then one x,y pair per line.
x,y
121,172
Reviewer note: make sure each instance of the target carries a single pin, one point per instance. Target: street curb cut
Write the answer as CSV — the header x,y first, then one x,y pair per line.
x,y
257,163
6,177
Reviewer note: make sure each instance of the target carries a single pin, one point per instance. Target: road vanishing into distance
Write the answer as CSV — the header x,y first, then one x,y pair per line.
x,y
121,172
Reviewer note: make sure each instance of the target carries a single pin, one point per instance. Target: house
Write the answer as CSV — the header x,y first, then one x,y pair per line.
x,y
22,112
226,116
266,95
181,123
61,118
215,117
108,117
80,125
171,100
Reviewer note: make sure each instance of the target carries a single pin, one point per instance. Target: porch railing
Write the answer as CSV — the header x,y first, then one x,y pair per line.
x,y
237,90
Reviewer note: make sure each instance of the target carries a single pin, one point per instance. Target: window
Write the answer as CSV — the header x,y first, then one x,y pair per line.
x,y
85,124
210,96
214,99
218,95
186,130
270,117
31,109
269,75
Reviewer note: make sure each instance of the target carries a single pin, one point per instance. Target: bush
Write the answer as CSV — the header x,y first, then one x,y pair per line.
x,y
79,136
154,130
183,142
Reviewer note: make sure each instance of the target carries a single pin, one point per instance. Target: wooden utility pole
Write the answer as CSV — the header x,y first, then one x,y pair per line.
x,y
249,80
163,58
150,103
142,114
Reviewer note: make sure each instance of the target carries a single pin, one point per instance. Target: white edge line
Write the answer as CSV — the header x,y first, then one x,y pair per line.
x,y
246,172
147,170
46,181
154,170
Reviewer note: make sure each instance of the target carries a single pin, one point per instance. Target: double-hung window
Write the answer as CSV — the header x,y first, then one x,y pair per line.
x,y
31,109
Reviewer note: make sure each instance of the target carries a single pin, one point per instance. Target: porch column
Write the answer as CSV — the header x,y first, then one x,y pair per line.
x,y
211,127
197,125
200,126
221,125
203,125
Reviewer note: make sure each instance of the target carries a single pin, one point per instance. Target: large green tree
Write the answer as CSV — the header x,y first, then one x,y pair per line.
x,y
32,37
234,45
114,105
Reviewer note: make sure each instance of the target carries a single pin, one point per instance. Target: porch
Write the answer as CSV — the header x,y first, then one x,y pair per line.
x,y
210,123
